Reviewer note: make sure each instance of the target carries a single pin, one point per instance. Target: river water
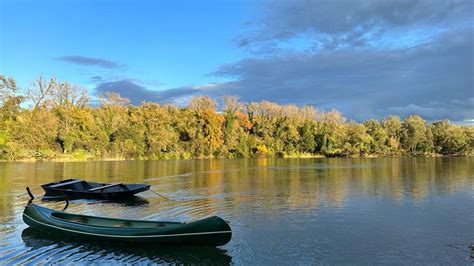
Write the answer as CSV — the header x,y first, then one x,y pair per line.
x,y
283,211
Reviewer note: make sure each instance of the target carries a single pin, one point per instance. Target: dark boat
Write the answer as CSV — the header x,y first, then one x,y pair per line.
x,y
212,231
76,188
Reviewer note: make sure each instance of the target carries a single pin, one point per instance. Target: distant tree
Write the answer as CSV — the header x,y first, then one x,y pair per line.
x,y
9,99
202,102
392,127
40,92
231,108
51,93
308,137
232,127
204,127
286,136
377,134
9,108
8,88
113,99
161,138
414,133
357,140
449,139
469,133
331,133
65,93
77,130
36,130
427,145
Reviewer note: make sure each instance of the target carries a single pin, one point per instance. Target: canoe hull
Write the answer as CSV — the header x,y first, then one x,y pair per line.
x,y
212,231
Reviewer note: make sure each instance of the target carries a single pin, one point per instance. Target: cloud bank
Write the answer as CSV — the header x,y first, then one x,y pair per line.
x,y
368,59
353,23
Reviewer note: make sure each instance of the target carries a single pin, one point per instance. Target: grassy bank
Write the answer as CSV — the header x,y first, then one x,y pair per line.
x,y
89,157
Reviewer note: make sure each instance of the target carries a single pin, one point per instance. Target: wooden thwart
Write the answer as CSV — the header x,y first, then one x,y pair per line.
x,y
104,187
66,183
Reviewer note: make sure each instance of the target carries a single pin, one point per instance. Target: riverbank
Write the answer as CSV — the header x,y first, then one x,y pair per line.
x,y
89,158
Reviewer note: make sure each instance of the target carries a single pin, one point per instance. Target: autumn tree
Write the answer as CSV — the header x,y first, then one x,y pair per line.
x,y
469,132
161,138
231,109
8,89
113,99
50,93
449,139
377,134
204,126
331,133
414,134
35,132
236,128
307,137
77,130
392,127
9,108
357,141
40,91
113,121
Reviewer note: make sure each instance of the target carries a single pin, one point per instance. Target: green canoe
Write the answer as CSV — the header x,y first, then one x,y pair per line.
x,y
212,231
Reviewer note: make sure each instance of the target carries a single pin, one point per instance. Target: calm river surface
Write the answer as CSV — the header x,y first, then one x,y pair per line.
x,y
284,211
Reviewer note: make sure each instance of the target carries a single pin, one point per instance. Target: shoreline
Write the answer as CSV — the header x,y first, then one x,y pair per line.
x,y
293,156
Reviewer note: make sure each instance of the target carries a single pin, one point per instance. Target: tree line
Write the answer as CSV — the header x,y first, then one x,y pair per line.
x,y
53,119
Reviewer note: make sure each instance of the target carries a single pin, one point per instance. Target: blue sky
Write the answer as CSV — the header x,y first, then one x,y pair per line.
x,y
171,43
365,58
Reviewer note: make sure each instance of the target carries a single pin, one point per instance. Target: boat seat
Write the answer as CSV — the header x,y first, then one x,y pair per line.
x,y
78,219
104,187
66,183
122,224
